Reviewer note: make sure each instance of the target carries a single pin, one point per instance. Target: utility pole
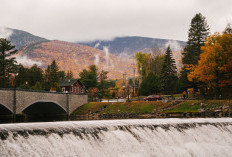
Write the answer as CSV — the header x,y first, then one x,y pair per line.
x,y
15,97
124,84
133,66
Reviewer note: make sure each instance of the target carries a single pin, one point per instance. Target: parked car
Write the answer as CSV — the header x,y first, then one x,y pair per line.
x,y
152,98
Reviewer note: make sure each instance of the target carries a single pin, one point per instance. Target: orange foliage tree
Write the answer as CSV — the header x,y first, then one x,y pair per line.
x,y
214,64
119,87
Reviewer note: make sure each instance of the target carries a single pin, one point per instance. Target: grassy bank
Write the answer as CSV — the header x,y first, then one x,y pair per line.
x,y
142,107
198,106
119,107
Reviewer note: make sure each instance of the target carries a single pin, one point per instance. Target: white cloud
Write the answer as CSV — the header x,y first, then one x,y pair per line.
x,y
104,19
5,32
24,60
174,45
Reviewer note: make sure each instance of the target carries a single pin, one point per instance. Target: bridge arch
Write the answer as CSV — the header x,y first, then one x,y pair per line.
x,y
4,110
44,107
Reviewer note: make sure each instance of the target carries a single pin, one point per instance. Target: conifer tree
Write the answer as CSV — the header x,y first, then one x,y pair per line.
x,y
69,75
7,62
51,75
168,73
197,34
89,77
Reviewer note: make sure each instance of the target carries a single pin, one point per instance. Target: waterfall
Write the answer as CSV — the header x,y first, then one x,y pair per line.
x,y
119,138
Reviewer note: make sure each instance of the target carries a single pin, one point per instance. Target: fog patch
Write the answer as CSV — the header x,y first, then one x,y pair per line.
x,y
24,60
97,59
5,32
96,45
106,50
174,45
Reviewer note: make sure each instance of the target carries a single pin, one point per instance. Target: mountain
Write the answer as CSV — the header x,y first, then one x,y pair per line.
x,y
20,38
133,44
79,56
75,57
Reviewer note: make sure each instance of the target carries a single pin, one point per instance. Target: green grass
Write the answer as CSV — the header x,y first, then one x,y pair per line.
x,y
141,107
177,95
195,106
187,106
120,107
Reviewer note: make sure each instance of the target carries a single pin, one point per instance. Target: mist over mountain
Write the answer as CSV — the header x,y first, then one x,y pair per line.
x,y
20,38
133,44
114,55
75,57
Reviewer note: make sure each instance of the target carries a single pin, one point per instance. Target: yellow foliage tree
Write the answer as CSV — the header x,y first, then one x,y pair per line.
x,y
119,86
211,67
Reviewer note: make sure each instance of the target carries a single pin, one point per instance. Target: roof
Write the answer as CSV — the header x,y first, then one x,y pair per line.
x,y
68,82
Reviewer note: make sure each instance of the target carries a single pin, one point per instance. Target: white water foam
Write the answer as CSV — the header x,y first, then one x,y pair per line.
x,y
118,138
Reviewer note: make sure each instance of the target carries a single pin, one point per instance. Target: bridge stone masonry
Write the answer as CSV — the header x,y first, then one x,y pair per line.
x,y
19,101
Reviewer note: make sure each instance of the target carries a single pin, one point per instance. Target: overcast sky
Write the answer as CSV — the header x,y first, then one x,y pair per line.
x,y
78,20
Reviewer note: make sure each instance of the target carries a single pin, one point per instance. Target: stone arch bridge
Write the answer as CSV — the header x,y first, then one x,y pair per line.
x,y
18,101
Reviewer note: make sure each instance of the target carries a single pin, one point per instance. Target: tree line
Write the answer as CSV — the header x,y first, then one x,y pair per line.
x,y
35,78
96,82
16,75
158,73
207,66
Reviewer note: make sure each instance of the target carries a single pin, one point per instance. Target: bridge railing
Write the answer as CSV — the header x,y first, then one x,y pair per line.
x,y
40,91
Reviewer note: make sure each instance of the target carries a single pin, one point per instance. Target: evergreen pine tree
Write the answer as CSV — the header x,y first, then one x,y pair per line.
x,y
69,75
89,77
51,76
197,34
7,62
168,73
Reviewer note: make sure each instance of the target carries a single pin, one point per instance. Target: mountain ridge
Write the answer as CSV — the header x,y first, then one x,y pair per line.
x,y
20,38
133,44
76,56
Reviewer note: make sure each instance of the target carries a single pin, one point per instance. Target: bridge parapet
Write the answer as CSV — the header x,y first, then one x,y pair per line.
x,y
17,100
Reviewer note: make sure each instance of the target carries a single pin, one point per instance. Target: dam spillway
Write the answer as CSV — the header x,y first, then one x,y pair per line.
x,y
117,138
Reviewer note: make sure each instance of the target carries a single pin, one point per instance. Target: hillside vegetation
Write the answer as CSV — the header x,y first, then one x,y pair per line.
x,y
76,57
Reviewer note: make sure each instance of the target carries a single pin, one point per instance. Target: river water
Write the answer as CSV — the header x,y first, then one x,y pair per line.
x,y
119,138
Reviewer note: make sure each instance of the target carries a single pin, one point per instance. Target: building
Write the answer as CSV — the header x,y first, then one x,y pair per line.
x,y
72,86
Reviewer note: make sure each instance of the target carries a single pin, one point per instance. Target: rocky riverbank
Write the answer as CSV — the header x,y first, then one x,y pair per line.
x,y
96,116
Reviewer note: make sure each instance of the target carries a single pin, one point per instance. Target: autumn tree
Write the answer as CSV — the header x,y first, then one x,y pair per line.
x,y
149,62
168,73
197,35
214,66
119,87
141,59
228,29
7,62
